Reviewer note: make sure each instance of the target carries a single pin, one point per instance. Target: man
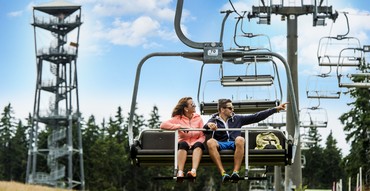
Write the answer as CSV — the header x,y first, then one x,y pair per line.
x,y
221,140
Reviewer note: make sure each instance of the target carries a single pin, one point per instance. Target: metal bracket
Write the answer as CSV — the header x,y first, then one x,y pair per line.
x,y
213,52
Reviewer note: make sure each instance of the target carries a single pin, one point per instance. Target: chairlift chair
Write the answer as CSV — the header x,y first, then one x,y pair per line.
x,y
164,151
322,86
143,152
357,78
278,120
243,81
313,117
332,46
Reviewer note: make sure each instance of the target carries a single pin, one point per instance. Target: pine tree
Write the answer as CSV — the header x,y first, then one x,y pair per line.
x,y
154,121
18,152
7,132
90,134
357,125
312,172
331,165
115,126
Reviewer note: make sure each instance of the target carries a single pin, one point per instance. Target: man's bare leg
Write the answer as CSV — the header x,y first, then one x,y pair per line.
x,y
239,152
214,154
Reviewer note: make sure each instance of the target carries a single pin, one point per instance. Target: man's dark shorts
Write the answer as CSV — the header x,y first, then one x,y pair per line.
x,y
226,145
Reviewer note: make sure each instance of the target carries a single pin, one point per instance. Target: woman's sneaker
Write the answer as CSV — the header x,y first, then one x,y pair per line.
x,y
191,176
180,177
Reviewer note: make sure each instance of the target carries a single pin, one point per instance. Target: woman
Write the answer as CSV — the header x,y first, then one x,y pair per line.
x,y
184,117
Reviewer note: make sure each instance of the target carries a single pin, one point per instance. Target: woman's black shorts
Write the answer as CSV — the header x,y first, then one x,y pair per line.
x,y
184,145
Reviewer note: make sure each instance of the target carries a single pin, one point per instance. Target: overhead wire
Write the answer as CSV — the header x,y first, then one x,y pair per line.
x,y
232,5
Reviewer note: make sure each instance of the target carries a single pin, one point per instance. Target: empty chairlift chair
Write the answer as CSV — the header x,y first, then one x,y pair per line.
x,y
243,81
313,117
323,86
358,77
330,48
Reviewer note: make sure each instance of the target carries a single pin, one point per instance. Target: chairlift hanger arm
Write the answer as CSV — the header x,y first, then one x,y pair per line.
x,y
235,31
223,23
263,3
321,3
181,35
341,36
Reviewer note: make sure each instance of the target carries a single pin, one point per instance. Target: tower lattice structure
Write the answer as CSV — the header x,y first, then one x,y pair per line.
x,y
55,156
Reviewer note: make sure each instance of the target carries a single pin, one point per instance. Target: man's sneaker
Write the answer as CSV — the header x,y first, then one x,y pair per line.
x,y
234,177
225,178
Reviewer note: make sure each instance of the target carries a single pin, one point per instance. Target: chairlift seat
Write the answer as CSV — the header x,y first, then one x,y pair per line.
x,y
156,148
240,106
331,95
355,85
247,80
344,64
319,125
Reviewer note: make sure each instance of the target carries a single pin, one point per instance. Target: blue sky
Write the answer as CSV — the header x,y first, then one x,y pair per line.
x,y
117,34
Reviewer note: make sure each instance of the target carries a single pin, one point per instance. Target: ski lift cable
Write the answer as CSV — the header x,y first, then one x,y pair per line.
x,y
232,5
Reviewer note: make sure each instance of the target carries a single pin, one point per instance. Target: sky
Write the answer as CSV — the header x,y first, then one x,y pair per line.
x,y
117,34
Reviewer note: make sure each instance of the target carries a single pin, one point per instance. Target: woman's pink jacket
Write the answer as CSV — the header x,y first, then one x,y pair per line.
x,y
181,121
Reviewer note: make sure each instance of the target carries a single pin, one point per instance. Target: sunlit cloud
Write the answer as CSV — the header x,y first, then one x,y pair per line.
x,y
15,14
142,23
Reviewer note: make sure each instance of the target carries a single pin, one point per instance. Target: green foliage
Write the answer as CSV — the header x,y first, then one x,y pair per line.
x,y
323,165
312,171
357,127
108,166
331,166
13,147
108,160
301,188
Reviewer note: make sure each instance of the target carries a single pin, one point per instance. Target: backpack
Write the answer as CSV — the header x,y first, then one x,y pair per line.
x,y
267,140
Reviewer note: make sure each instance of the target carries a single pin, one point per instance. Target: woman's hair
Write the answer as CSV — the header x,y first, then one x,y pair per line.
x,y
179,108
222,103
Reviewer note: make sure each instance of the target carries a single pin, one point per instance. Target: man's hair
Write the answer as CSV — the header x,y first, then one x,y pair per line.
x,y
222,103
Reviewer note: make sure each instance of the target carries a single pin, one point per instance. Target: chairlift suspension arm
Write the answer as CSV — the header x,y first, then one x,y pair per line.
x,y
235,31
341,36
223,23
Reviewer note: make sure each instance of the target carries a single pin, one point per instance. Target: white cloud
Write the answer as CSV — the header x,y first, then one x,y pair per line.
x,y
143,23
153,8
131,33
15,14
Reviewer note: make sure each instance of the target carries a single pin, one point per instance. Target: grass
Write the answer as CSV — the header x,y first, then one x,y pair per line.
x,y
16,186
